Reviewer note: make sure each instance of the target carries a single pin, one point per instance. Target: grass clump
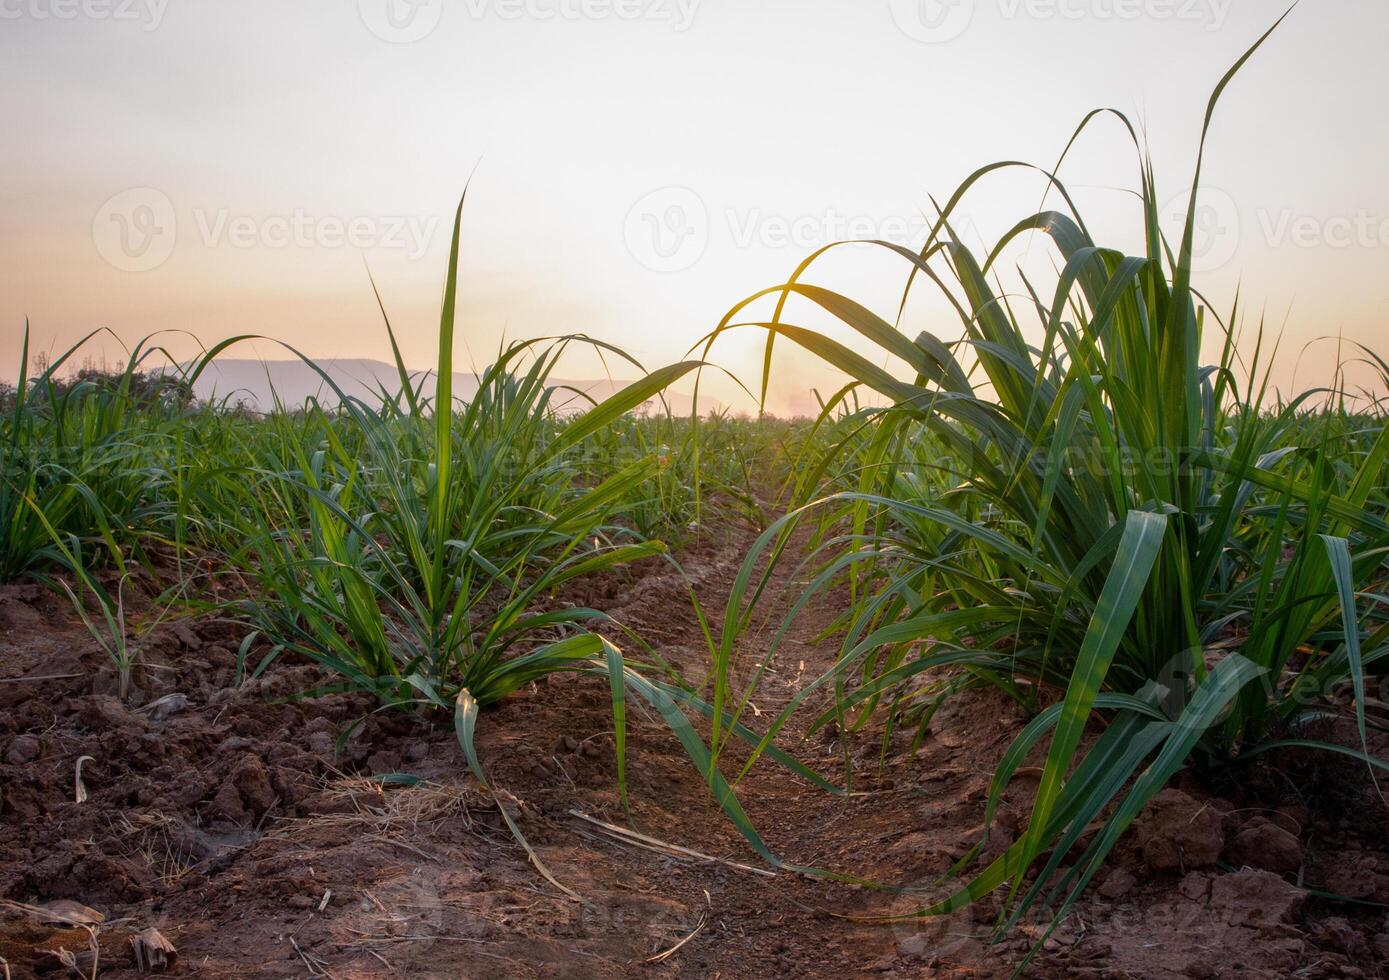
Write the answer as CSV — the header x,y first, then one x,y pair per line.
x,y
1096,523
415,545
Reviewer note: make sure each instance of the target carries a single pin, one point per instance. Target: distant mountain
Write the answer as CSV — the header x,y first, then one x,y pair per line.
x,y
257,384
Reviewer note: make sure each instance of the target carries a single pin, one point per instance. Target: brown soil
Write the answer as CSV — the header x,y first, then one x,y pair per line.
x,y
226,820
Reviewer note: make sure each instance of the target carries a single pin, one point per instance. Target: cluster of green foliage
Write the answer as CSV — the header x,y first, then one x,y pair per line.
x,y
1068,505
1065,504
416,552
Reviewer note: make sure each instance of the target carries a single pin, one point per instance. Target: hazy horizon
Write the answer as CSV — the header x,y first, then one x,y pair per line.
x,y
639,166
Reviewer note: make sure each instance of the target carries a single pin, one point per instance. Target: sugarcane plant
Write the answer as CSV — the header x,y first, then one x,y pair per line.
x,y
1098,524
415,548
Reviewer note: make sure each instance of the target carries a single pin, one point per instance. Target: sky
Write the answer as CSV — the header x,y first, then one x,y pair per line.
x,y
637,167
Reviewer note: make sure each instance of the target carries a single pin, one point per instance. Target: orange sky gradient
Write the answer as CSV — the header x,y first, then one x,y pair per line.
x,y
639,166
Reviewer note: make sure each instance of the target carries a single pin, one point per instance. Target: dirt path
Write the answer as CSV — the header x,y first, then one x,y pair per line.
x,y
231,826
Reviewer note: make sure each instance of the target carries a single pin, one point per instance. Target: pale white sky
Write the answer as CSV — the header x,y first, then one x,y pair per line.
x,y
641,165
